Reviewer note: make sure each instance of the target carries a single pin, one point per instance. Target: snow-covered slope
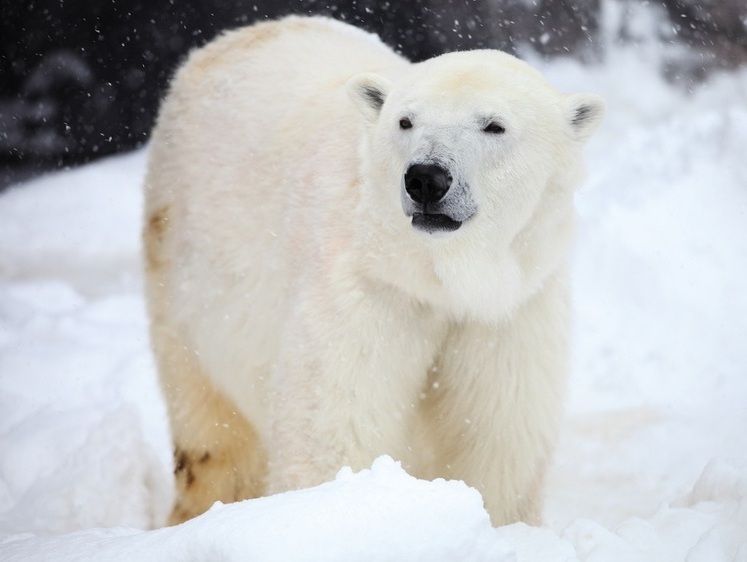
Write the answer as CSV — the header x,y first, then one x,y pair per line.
x,y
652,463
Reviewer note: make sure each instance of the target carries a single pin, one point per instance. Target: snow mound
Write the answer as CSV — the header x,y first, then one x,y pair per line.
x,y
385,514
85,220
709,525
377,514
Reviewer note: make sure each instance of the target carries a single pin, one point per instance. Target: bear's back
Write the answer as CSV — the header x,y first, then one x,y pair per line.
x,y
281,61
234,188
234,103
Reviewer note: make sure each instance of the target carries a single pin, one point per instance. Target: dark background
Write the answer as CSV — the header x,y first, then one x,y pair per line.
x,y
80,79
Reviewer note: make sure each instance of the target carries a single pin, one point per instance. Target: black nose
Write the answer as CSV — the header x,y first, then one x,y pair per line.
x,y
427,183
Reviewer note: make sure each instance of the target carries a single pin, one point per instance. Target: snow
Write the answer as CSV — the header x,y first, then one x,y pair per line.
x,y
652,463
377,514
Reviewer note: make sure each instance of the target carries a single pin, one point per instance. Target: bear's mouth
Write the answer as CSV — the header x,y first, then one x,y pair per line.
x,y
428,222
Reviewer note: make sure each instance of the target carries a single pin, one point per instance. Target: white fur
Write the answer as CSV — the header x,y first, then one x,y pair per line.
x,y
290,269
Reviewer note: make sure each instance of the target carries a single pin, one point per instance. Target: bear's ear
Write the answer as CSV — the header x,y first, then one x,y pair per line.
x,y
368,92
585,114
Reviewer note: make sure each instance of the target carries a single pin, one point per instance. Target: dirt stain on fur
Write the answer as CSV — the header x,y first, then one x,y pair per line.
x,y
155,232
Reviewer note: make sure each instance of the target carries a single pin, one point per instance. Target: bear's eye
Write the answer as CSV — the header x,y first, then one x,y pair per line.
x,y
494,128
405,123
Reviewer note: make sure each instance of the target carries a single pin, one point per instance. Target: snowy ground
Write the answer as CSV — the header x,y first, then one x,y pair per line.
x,y
652,464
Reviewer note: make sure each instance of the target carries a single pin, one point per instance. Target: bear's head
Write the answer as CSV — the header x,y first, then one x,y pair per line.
x,y
478,157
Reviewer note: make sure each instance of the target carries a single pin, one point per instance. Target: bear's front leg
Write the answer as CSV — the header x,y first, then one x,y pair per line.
x,y
217,453
495,408
346,389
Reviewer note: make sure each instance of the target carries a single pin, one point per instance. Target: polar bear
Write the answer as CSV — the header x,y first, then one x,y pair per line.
x,y
350,255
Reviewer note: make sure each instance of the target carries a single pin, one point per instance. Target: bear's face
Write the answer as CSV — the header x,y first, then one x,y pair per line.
x,y
477,150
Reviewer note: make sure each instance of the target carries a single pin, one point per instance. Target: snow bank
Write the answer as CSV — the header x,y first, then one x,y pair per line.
x,y
659,279
377,514
81,420
708,525
385,514
80,226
